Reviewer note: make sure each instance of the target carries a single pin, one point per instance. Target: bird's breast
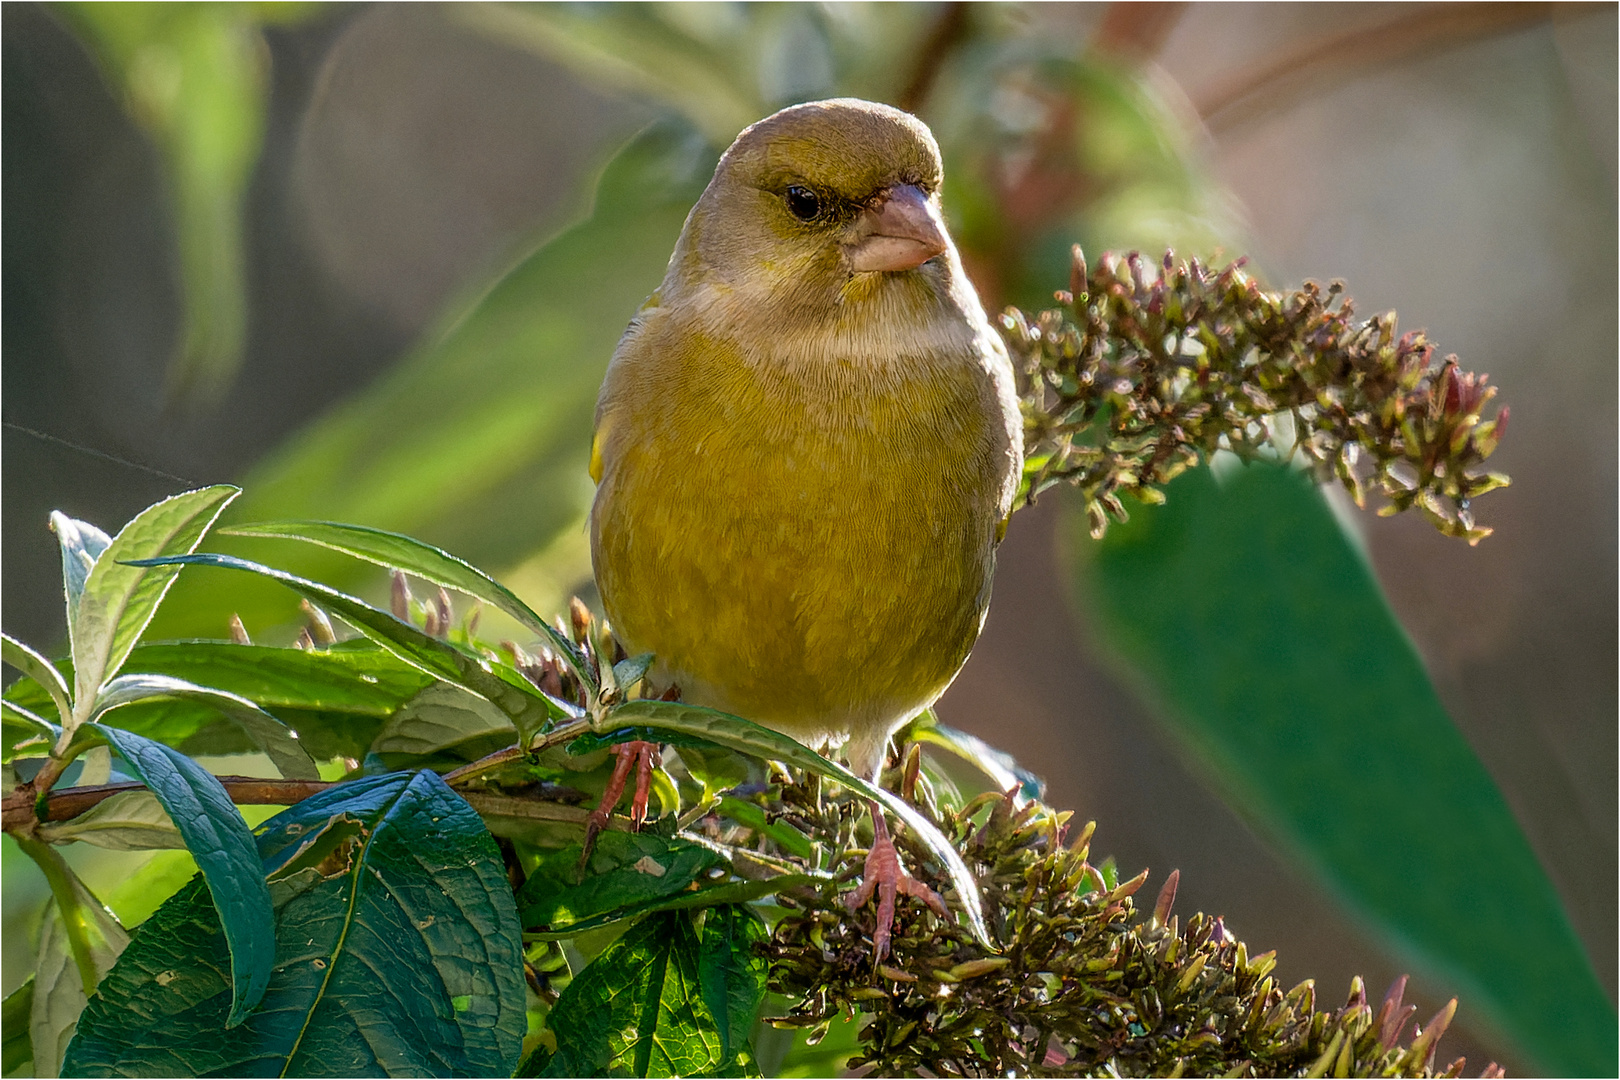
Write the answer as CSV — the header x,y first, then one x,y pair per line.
x,y
806,545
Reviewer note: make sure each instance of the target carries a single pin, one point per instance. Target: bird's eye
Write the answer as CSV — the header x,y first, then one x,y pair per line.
x,y
803,203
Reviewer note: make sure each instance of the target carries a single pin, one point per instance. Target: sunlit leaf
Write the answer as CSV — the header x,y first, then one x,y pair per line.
x,y
42,671
61,983
529,709
119,599
638,1008
732,972
1250,617
128,821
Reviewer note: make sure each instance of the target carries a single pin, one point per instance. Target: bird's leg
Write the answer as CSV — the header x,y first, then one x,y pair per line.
x,y
634,753
885,876
640,754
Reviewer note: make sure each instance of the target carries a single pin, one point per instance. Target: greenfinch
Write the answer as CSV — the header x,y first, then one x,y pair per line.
x,y
808,440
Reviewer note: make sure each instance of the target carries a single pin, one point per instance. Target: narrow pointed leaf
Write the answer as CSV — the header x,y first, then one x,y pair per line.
x,y
42,671
399,953
747,737
269,734
1247,613
399,552
119,599
529,709
220,841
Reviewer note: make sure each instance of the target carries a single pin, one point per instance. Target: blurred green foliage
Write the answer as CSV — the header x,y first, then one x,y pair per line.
x,y
194,77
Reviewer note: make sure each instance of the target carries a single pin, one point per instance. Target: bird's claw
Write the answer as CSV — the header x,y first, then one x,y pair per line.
x,y
635,754
885,876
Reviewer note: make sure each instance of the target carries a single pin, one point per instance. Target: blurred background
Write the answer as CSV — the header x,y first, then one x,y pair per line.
x,y
324,252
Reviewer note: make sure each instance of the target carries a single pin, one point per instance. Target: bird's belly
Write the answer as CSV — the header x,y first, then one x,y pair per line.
x,y
829,584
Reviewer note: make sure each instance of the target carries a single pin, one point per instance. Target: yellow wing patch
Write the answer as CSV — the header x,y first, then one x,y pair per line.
x,y
596,451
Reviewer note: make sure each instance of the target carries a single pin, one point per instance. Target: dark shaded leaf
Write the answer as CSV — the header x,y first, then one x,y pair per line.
x,y
1247,613
399,953
628,873
219,840
440,717
732,972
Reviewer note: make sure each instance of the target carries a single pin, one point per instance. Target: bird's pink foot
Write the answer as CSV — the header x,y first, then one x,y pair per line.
x,y
885,876
634,754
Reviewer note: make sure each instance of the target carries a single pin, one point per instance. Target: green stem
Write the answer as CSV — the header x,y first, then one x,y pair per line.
x,y
69,904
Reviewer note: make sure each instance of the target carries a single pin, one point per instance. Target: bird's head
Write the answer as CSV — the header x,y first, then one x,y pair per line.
x,y
821,207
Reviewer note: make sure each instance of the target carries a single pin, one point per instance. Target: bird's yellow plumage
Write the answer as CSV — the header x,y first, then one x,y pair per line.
x,y
808,439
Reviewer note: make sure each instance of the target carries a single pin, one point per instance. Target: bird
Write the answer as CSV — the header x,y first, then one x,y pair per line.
x,y
807,446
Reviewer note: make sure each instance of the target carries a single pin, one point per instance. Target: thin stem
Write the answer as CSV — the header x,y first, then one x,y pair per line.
x,y
500,758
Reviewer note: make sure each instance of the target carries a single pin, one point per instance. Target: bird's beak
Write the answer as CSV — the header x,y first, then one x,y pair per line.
x,y
899,230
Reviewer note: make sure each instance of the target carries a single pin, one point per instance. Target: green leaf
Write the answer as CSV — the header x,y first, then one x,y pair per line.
x,y
529,709
398,552
638,1008
61,987
119,599
16,1049
1250,616
747,737
335,698
732,972
478,440
440,717
128,821
350,677
26,732
42,671
399,953
628,873
998,765
788,838
82,544
219,840
269,734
